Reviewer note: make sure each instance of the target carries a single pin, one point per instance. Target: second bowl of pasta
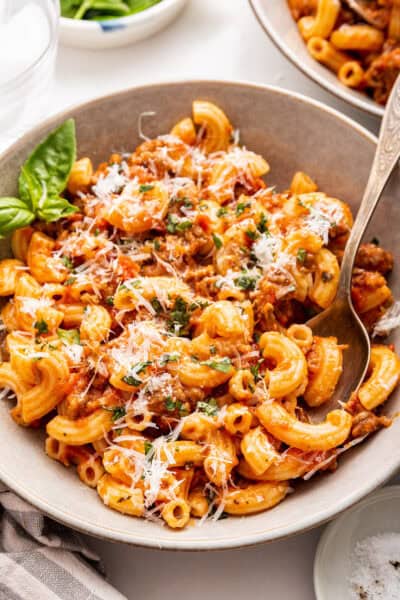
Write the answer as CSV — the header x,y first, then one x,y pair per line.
x,y
354,58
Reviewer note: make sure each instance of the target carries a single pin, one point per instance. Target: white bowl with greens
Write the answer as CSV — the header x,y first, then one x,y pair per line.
x,y
100,24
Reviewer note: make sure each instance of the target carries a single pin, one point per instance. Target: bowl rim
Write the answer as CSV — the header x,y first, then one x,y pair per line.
x,y
136,19
329,534
372,108
307,522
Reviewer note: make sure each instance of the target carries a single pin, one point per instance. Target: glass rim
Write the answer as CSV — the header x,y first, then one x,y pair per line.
x,y
8,86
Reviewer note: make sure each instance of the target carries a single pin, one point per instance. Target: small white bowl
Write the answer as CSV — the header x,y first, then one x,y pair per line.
x,y
122,31
276,20
378,513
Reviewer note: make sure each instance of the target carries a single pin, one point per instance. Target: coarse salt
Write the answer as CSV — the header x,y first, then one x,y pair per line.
x,y
375,568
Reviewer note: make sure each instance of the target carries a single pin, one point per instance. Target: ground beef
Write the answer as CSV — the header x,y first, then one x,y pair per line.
x,y
382,74
367,422
373,258
365,282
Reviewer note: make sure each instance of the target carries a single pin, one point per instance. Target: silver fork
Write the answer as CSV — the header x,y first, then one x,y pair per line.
x,y
340,319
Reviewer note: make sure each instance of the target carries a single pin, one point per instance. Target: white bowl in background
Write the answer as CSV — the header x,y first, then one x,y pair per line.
x,y
378,513
121,31
275,18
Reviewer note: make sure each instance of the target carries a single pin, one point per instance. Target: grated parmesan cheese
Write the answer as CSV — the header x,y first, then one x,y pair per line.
x,y
148,113
317,222
389,321
266,249
110,183
32,305
375,568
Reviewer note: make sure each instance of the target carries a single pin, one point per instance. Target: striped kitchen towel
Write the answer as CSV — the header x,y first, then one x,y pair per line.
x,y
42,560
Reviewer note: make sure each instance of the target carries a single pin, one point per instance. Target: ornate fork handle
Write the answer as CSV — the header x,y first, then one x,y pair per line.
x,y
386,158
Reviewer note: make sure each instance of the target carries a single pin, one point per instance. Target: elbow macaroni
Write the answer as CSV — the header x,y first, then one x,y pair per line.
x,y
156,336
363,56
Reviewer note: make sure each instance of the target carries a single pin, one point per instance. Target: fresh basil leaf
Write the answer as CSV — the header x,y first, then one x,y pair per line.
x,y
13,214
55,208
30,189
50,164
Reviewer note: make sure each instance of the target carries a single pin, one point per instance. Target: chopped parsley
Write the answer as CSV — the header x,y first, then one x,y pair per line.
x,y
146,187
208,407
172,405
169,357
179,317
156,244
255,370
217,241
41,327
70,281
136,370
241,207
131,380
224,365
67,262
186,202
262,224
301,255
69,336
169,404
222,211
148,447
252,235
246,282
118,413
156,304
110,300
174,225
132,283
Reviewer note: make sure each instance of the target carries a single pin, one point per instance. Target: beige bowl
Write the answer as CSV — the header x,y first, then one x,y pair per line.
x,y
275,18
293,133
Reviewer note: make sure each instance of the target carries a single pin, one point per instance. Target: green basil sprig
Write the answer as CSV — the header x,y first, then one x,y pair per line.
x,y
42,179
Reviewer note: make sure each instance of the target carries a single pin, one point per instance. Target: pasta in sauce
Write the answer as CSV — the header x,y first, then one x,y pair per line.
x,y
365,57
159,334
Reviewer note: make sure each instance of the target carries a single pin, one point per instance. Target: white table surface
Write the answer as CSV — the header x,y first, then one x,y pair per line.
x,y
212,39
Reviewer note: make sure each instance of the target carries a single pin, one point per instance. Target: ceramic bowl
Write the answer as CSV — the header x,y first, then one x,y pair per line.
x,y
293,133
375,515
276,20
113,33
